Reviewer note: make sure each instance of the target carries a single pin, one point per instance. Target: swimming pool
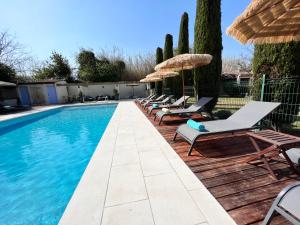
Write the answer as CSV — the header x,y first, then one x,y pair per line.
x,y
42,158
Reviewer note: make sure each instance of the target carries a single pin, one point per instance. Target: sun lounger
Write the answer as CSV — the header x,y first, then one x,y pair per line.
x,y
287,204
244,119
164,101
140,101
176,104
195,108
148,97
15,108
153,100
294,155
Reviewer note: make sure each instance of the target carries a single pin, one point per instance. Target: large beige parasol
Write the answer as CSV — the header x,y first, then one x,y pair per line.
x,y
149,80
163,74
268,21
184,62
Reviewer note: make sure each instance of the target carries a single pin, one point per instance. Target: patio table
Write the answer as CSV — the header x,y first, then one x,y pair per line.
x,y
280,143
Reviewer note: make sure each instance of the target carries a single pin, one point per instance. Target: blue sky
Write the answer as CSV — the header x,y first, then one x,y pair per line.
x,y
136,26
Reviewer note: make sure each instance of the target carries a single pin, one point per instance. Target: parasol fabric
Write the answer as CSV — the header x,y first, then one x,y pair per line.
x,y
266,21
149,80
184,62
163,74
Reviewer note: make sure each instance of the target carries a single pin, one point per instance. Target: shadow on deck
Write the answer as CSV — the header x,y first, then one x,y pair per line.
x,y
245,191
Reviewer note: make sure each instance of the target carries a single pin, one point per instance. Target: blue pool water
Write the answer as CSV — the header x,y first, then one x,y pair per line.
x,y
42,158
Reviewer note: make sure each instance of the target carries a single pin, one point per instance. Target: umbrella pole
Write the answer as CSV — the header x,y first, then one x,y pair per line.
x,y
182,75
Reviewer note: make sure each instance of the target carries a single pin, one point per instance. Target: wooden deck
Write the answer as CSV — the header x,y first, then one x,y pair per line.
x,y
245,191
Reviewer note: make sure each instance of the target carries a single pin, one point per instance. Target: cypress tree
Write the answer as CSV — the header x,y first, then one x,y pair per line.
x,y
183,47
159,59
168,53
208,39
183,41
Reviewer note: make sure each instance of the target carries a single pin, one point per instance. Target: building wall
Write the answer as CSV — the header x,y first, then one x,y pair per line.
x,y
62,94
38,93
99,89
65,92
131,92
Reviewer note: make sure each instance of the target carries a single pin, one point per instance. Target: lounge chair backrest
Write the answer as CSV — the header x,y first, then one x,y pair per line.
x,y
198,105
181,100
290,202
253,112
149,97
286,204
153,97
167,99
160,98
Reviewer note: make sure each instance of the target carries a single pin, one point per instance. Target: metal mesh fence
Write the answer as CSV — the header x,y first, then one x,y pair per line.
x,y
285,90
233,96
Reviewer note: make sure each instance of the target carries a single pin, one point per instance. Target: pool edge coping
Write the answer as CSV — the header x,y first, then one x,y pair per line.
x,y
34,111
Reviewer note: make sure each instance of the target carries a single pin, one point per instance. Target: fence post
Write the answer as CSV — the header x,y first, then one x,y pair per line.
x,y
262,90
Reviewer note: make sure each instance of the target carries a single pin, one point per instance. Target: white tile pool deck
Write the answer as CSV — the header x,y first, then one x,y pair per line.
x,y
136,178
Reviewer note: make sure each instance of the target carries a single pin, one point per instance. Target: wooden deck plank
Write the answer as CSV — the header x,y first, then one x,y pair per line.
x,y
246,191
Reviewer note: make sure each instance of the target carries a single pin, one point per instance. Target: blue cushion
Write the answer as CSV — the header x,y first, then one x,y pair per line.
x,y
195,125
154,105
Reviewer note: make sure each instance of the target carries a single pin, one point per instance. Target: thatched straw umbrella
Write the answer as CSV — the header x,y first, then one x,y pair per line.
x,y
266,21
149,80
183,62
163,74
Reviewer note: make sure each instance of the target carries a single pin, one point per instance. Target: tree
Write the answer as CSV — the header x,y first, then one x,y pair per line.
x,y
87,61
109,71
277,60
137,67
101,69
183,41
159,59
120,67
12,53
168,53
58,68
7,73
280,63
208,39
183,47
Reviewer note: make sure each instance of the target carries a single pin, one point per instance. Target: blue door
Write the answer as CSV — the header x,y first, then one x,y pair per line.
x,y
24,95
52,97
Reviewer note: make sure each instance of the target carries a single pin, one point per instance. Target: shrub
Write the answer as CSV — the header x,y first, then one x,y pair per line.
x,y
281,65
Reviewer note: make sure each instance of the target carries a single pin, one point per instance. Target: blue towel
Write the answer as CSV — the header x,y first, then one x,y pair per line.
x,y
154,105
195,125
